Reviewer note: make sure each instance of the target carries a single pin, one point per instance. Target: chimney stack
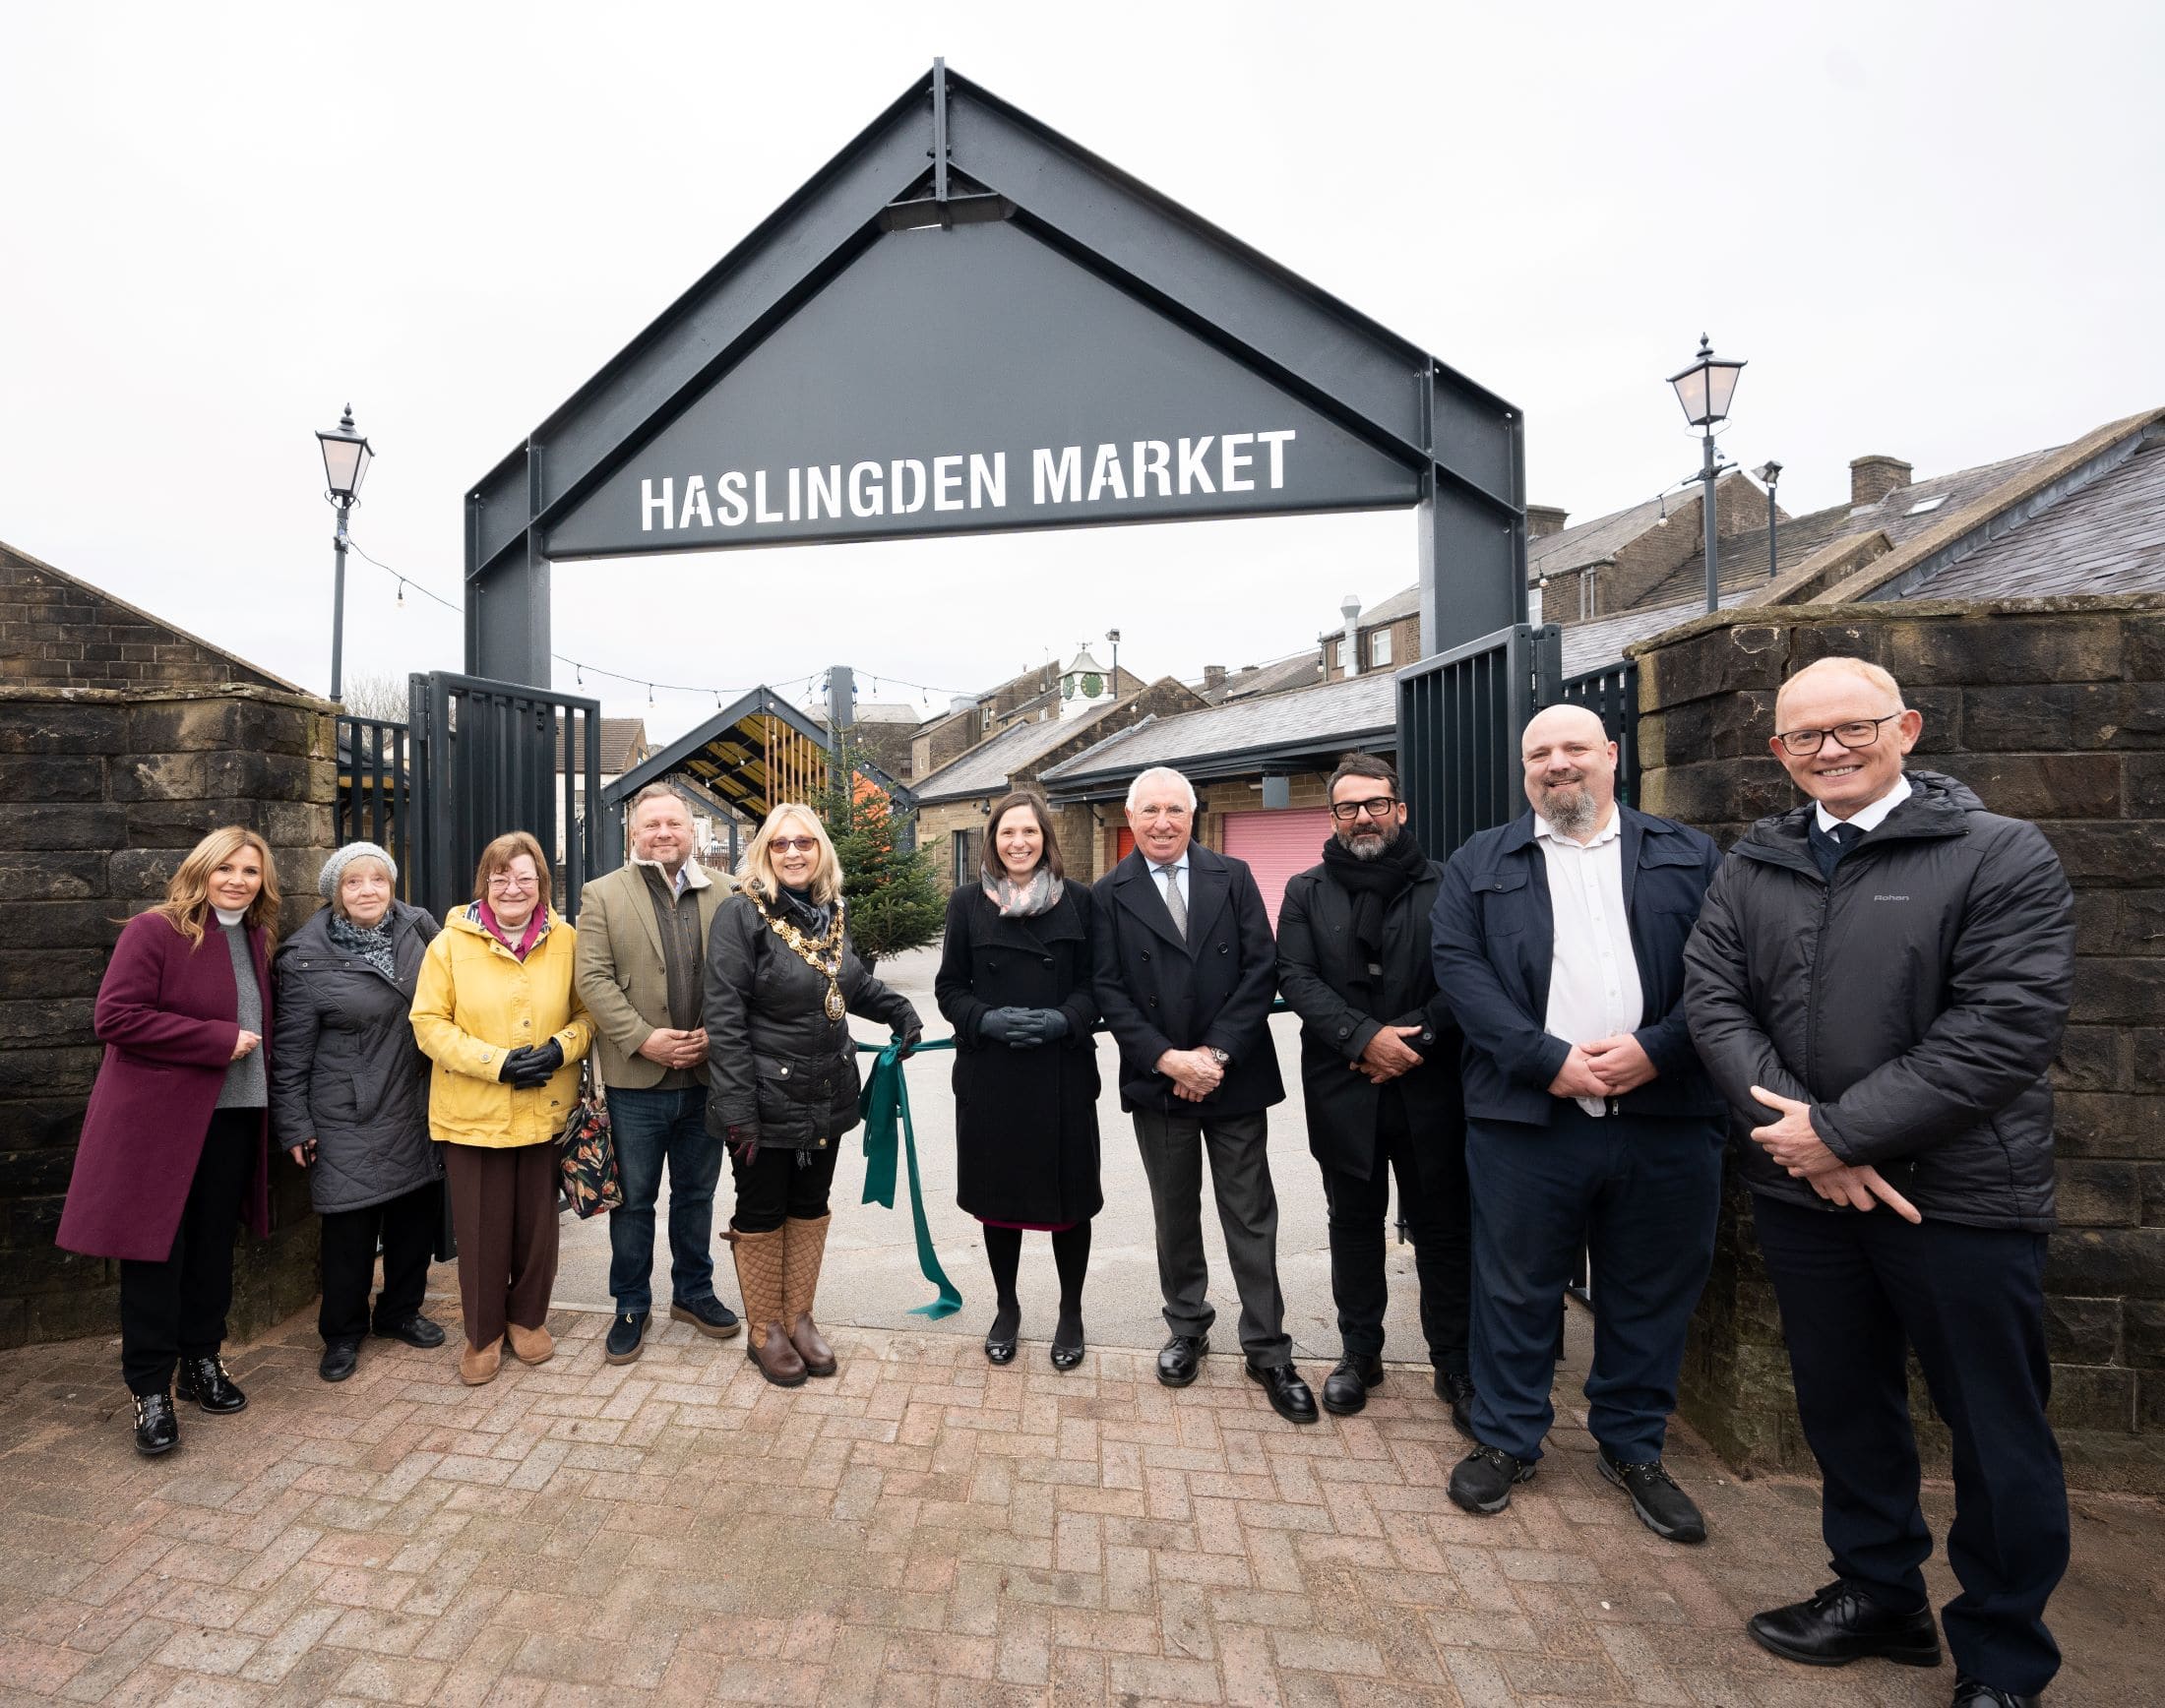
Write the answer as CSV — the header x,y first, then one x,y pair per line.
x,y
1543,520
1872,478
1349,648
1213,677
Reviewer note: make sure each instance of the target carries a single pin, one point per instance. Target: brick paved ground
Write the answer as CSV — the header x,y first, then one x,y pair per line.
x,y
923,1529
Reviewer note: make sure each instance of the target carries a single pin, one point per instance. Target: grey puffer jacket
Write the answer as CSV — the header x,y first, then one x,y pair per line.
x,y
1916,1001
344,1068
776,1066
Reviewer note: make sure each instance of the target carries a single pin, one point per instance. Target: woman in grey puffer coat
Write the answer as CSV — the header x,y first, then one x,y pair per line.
x,y
349,1101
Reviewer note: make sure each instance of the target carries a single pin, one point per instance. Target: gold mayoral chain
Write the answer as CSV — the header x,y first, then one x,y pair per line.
x,y
823,956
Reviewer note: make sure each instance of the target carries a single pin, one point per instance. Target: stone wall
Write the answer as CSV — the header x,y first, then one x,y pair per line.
x,y
56,630
2051,709
101,793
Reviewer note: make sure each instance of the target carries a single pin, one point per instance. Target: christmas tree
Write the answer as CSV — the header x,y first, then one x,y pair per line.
x,y
894,902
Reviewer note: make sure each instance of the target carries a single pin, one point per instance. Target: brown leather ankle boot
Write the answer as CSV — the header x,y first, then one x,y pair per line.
x,y
767,1340
806,1246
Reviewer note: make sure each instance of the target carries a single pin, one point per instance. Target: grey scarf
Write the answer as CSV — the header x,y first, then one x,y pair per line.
x,y
372,944
1042,894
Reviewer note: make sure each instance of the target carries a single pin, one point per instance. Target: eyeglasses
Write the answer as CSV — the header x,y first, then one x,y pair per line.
x,y
1382,807
1862,732
511,881
795,844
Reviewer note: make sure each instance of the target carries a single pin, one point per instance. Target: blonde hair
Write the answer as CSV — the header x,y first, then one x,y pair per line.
x,y
1843,664
188,891
499,855
758,868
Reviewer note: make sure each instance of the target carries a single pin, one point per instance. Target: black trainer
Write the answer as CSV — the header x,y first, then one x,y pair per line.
x,y
710,1316
338,1358
1662,1507
1455,1389
627,1337
414,1330
157,1429
1482,1481
1345,1388
1842,1624
204,1381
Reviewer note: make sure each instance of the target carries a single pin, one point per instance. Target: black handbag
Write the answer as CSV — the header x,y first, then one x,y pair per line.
x,y
592,1184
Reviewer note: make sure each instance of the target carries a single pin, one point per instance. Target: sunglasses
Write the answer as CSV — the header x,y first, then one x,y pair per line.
x,y
795,844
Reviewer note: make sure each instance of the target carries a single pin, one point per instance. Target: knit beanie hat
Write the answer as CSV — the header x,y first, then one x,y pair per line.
x,y
327,880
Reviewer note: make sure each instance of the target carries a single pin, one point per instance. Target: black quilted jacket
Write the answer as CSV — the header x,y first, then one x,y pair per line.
x,y
1916,1001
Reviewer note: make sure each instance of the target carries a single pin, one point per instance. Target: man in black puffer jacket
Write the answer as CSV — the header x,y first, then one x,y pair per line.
x,y
1882,978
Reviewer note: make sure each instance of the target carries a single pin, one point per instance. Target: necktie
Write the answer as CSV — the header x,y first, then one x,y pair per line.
x,y
1173,903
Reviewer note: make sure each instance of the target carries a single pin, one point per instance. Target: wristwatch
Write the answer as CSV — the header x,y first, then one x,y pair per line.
x,y
1220,1057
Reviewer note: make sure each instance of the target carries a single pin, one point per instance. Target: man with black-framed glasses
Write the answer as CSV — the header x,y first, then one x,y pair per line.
x,y
1379,1079
1877,982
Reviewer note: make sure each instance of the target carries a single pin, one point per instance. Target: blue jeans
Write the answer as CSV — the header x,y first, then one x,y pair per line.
x,y
648,1125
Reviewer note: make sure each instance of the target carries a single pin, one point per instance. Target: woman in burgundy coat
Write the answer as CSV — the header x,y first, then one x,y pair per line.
x,y
175,1132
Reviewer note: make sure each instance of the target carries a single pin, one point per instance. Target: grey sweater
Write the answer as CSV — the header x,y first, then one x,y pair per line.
x,y
245,1085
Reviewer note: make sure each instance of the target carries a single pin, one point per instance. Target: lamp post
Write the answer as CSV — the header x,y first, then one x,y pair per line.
x,y
1113,635
1769,473
346,458
1704,390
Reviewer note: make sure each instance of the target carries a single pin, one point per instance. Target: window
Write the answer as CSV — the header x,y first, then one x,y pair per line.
x,y
1379,649
1925,505
962,849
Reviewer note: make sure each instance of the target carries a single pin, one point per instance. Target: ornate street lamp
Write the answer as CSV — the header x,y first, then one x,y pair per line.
x,y
1704,390
345,460
1769,473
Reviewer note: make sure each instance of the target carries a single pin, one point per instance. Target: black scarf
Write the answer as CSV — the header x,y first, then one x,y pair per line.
x,y
1374,885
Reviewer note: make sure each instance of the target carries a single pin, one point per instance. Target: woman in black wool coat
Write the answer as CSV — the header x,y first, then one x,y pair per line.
x,y
1014,980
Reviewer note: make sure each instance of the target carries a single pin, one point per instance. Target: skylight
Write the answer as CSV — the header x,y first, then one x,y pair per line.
x,y
1927,503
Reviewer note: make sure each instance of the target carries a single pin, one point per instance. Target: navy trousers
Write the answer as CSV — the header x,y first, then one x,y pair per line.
x,y
1641,1194
1857,1290
650,1128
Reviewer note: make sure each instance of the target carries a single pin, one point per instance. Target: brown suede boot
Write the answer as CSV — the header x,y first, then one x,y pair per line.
x,y
805,1246
767,1336
479,1364
531,1345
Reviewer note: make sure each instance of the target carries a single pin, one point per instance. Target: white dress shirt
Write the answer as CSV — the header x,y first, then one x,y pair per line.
x,y
1593,979
1869,817
1174,873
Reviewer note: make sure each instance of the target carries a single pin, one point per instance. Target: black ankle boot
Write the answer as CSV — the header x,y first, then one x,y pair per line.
x,y
158,1430
204,1381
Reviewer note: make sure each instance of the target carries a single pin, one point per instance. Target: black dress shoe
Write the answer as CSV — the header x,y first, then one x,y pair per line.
x,y
627,1337
1067,1341
1180,1357
1841,1624
1976,1693
1288,1394
1456,1390
204,1381
1345,1388
158,1430
414,1330
1483,1480
1007,1323
338,1358
1662,1507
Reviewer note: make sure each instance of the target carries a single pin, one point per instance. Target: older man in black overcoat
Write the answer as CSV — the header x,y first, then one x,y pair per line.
x,y
1379,1076
1184,973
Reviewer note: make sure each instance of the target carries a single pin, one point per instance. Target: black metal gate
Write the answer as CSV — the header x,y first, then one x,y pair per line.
x,y
1611,693
1459,714
491,757
375,791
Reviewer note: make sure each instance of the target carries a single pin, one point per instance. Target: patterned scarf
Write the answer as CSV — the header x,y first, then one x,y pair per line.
x,y
371,942
1022,900
536,927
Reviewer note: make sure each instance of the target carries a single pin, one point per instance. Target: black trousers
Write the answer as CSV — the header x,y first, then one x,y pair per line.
x,y
1436,1217
407,1226
776,1188
177,1308
1857,1290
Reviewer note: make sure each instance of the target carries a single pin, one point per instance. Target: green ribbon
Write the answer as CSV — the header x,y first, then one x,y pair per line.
x,y
884,1106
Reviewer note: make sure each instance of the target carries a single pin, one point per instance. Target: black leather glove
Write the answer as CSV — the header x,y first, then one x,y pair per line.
x,y
529,1069
1052,1023
997,1026
913,1034
514,1065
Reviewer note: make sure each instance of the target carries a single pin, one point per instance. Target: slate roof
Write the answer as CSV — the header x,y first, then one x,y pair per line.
x,y
987,767
1599,541
1238,735
1299,671
623,744
2106,537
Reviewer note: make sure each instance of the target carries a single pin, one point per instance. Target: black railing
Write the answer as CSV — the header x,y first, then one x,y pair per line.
x,y
1459,714
375,801
1611,693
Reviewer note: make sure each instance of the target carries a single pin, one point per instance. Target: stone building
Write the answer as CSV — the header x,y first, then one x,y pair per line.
x,y
1031,697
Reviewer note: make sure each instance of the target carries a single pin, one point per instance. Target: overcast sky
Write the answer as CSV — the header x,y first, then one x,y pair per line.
x,y
1933,230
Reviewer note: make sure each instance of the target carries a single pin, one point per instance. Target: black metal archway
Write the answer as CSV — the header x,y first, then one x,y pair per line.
x,y
966,322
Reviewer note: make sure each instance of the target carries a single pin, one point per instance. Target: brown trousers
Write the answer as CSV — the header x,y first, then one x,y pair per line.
x,y
503,1210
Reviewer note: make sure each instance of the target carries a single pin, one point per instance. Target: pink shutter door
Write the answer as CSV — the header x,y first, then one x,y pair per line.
x,y
1276,845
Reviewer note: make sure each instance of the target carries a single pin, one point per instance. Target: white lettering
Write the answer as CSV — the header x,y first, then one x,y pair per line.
x,y
1066,478
729,492
866,500
1152,457
947,483
916,471
1277,441
694,499
988,483
1106,472
796,494
823,486
1192,469
649,504
760,512
1232,461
